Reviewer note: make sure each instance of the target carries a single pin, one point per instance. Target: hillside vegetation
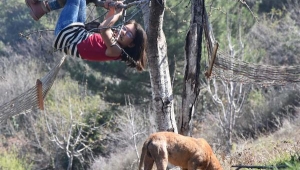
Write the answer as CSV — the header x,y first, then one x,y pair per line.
x,y
109,105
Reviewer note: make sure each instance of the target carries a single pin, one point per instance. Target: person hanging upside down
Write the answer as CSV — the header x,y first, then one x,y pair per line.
x,y
72,38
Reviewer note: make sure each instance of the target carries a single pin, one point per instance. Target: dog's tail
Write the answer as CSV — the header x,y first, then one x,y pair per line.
x,y
144,151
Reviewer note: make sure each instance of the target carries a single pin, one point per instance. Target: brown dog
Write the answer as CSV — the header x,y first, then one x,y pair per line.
x,y
187,152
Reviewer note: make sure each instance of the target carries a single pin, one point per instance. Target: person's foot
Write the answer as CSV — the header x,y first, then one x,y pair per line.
x,y
37,8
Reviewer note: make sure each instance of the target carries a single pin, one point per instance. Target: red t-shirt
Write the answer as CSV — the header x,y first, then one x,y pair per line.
x,y
93,49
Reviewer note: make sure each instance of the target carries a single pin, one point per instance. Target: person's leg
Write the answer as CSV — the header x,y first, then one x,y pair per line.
x,y
73,11
56,4
82,11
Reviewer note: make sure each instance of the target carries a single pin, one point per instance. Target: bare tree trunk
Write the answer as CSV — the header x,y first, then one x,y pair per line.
x,y
70,164
193,46
162,95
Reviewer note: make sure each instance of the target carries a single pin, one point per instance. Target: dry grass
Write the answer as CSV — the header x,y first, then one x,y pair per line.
x,y
267,150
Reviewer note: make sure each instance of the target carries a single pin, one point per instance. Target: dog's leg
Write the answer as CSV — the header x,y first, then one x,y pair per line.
x,y
159,153
161,159
148,162
161,163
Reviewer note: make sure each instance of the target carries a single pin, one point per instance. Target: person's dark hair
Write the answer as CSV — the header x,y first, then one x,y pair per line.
x,y
138,52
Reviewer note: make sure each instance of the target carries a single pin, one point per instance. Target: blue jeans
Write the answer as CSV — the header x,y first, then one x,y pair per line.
x,y
73,11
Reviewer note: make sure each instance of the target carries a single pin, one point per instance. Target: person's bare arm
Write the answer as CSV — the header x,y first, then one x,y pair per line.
x,y
107,35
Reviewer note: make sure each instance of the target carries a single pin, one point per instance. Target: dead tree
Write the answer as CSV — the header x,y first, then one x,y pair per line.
x,y
193,46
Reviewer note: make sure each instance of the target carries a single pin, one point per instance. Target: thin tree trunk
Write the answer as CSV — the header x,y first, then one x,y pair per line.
x,y
162,95
193,48
70,163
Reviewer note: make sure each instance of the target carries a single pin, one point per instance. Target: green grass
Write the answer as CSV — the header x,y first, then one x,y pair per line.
x,y
293,163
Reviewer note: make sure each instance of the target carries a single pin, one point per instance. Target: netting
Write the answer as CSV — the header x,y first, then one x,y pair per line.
x,y
32,98
228,68
235,70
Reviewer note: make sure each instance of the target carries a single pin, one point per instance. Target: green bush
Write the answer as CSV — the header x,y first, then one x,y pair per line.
x,y
10,161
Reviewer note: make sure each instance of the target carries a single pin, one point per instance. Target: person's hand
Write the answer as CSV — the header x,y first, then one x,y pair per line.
x,y
117,8
113,5
108,4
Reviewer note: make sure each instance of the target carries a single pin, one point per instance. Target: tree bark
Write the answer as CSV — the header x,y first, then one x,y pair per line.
x,y
162,95
193,48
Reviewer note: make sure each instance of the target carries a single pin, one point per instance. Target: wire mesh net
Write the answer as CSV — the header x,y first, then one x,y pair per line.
x,y
30,99
228,68
235,70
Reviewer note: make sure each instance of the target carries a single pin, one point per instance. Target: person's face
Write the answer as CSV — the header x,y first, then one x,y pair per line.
x,y
127,35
